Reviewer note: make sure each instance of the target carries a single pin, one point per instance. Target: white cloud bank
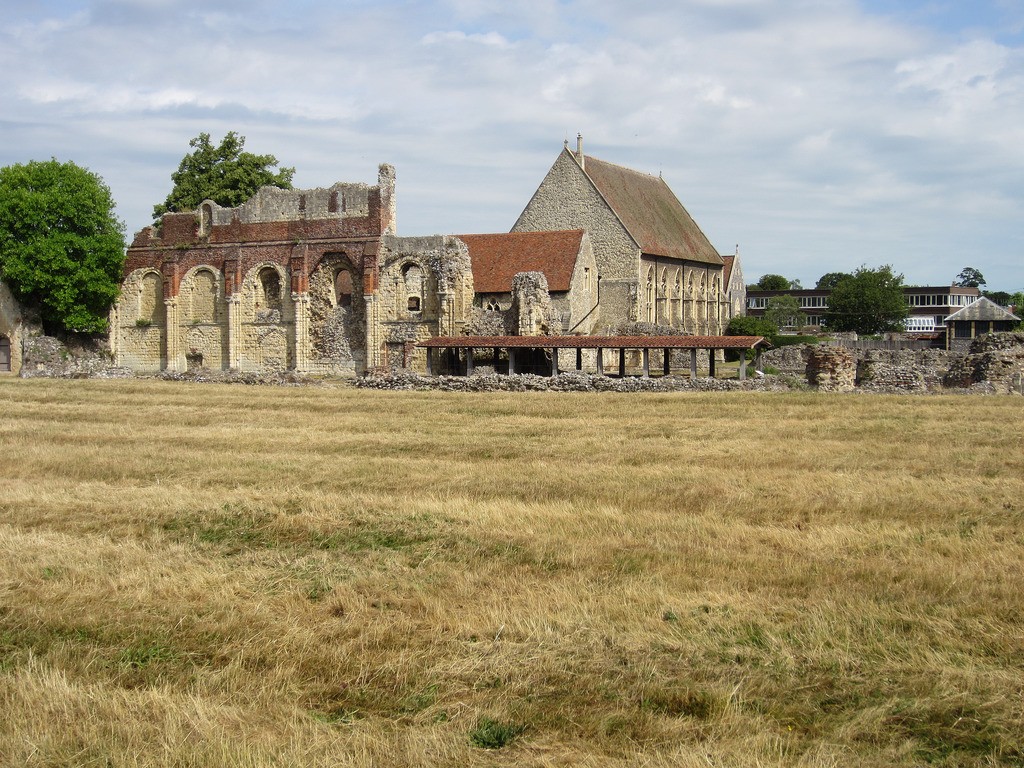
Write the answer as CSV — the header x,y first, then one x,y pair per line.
x,y
817,135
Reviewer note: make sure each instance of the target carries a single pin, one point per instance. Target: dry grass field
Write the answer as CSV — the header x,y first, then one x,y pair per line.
x,y
216,575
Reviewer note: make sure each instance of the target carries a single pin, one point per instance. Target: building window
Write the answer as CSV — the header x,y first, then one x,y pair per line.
x,y
493,306
270,288
343,288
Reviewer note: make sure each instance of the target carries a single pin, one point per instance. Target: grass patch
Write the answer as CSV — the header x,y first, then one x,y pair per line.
x,y
344,577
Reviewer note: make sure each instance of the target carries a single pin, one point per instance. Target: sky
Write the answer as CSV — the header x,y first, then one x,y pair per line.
x,y
814,135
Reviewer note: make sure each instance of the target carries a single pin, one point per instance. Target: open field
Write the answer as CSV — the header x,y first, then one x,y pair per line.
x,y
208,575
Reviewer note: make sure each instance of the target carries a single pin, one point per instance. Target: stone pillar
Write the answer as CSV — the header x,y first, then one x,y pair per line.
x,y
302,350
234,328
175,350
693,363
372,332
831,369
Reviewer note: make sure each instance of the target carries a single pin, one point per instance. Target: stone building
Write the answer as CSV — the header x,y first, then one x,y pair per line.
x,y
654,263
12,332
566,262
310,280
735,288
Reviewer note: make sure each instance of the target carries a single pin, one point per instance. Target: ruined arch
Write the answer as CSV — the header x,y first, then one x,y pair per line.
x,y
337,315
204,316
141,317
413,282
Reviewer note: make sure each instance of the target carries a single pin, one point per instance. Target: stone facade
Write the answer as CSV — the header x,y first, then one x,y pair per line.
x,y
285,281
654,263
12,332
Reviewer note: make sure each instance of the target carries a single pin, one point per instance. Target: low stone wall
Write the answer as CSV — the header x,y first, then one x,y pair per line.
x,y
995,362
77,357
791,359
573,382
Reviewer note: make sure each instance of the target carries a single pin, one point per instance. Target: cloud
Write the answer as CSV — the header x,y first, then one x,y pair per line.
x,y
806,131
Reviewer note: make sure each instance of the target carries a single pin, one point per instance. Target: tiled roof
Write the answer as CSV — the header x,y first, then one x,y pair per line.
x,y
652,214
983,309
496,259
595,342
727,270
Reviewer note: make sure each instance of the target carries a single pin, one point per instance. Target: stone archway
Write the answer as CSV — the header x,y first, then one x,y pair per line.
x,y
337,316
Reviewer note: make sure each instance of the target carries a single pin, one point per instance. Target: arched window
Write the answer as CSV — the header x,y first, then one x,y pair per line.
x,y
204,297
270,288
151,298
650,295
343,288
493,305
205,219
412,280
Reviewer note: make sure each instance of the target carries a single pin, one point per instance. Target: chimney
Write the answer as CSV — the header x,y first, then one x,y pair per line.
x,y
579,151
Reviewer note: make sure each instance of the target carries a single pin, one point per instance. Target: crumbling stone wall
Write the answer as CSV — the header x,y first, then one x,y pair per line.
x,y
531,305
13,329
903,369
831,369
995,360
337,316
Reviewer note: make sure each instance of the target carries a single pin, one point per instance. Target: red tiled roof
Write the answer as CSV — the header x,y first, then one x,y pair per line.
x,y
594,342
651,212
497,258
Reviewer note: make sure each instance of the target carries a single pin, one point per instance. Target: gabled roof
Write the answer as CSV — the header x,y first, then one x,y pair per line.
x,y
982,309
497,258
727,270
650,212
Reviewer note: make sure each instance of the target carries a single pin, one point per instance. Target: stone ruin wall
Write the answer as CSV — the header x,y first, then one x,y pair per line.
x,y
995,361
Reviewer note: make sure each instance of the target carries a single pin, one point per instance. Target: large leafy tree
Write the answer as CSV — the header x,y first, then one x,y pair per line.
x,y
830,280
225,174
61,246
869,301
969,277
774,283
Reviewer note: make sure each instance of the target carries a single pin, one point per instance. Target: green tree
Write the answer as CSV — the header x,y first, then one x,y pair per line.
x,y
1002,298
969,277
773,283
785,311
747,325
870,301
61,247
830,280
225,174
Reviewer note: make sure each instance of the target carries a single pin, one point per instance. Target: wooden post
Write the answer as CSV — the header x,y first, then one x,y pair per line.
x,y
667,362
554,362
495,355
469,361
579,358
711,363
757,360
430,361
645,354
511,360
600,361
622,362
743,364
693,363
